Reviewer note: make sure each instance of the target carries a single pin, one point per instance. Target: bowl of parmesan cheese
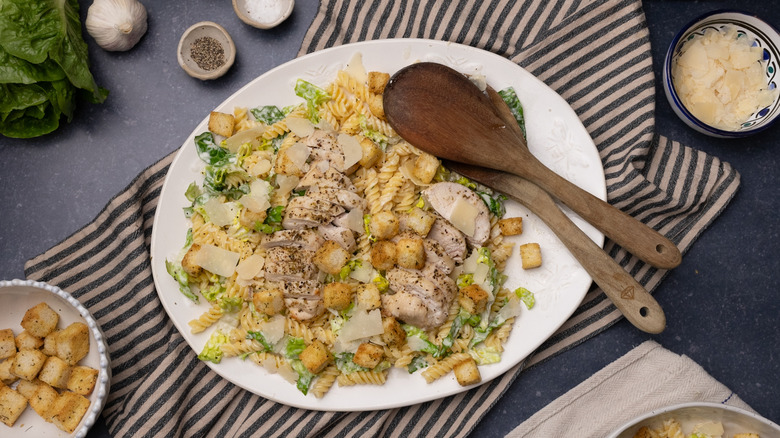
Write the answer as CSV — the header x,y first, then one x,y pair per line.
x,y
720,74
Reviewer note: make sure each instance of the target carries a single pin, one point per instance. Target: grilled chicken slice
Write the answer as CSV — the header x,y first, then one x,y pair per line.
x,y
343,236
436,257
324,147
307,239
309,203
329,178
434,292
304,309
342,197
452,240
310,289
408,308
446,197
284,263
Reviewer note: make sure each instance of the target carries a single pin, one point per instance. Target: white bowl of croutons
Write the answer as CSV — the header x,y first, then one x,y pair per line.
x,y
54,365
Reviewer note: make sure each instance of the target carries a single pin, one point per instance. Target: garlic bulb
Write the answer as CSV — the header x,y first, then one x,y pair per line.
x,y
116,25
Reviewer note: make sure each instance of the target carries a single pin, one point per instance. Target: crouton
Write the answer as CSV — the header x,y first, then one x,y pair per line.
x,y
82,380
383,225
371,152
27,341
511,226
476,295
376,104
643,432
331,257
12,404
531,255
467,373
28,387
268,301
50,343
68,410
394,334
43,400
377,81
6,376
27,363
425,167
55,372
337,296
315,357
221,123
7,344
383,255
188,261
410,253
73,343
417,220
368,297
368,355
40,320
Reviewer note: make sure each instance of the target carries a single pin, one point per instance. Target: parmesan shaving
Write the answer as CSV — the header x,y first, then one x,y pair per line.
x,y
217,260
464,216
300,127
350,147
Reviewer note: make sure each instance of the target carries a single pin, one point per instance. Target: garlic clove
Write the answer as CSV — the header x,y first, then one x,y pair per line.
x,y
116,25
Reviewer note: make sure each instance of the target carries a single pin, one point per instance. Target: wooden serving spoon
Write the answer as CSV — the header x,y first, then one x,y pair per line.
x,y
440,111
630,297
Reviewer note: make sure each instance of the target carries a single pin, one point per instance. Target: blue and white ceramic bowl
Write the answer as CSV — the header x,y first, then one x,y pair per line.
x,y
763,35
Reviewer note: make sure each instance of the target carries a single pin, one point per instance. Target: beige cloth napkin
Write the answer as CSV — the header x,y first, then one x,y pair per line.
x,y
646,378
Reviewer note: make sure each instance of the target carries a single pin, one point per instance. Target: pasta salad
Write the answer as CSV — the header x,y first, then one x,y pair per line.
x,y
329,250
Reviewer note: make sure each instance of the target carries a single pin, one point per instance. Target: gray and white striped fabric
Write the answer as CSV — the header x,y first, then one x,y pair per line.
x,y
596,54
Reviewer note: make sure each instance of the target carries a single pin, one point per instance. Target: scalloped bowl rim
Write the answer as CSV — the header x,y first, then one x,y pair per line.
x,y
671,93
103,385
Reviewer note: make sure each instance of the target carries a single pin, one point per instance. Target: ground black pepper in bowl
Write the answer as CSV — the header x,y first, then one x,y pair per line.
x,y
208,53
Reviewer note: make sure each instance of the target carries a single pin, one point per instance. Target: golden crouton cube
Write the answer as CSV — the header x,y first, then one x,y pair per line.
x,y
643,432
337,296
511,226
73,343
371,152
43,400
377,81
383,255
368,355
383,225
6,375
376,104
476,295
55,372
368,296
28,341
40,320
28,387
331,257
27,363
410,252
315,357
7,344
467,373
188,261
221,123
394,334
82,380
50,343
68,410
268,301
425,167
417,220
12,404
531,255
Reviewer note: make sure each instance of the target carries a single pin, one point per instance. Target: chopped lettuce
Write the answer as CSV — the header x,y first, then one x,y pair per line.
x,y
213,293
510,97
180,275
374,135
418,362
292,351
210,152
268,114
212,351
314,97
349,267
418,340
526,296
272,222
486,355
465,279
258,336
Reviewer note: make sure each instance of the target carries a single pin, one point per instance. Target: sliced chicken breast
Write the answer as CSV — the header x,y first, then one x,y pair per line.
x,y
342,197
461,205
283,263
304,309
450,238
307,239
407,308
343,236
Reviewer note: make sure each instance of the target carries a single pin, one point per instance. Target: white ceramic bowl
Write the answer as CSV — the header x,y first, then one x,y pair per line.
x,y
16,296
764,35
263,14
199,30
734,420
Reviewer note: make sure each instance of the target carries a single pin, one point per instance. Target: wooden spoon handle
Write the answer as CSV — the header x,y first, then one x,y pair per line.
x,y
638,306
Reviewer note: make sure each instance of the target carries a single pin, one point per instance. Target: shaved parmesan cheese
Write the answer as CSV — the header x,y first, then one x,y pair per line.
x,y
248,268
354,221
256,204
251,136
260,168
720,79
216,260
273,329
350,147
286,183
464,216
481,271
220,213
298,154
356,69
300,127
363,273
362,325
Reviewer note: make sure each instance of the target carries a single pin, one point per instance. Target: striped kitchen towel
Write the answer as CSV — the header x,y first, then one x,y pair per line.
x,y
596,54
